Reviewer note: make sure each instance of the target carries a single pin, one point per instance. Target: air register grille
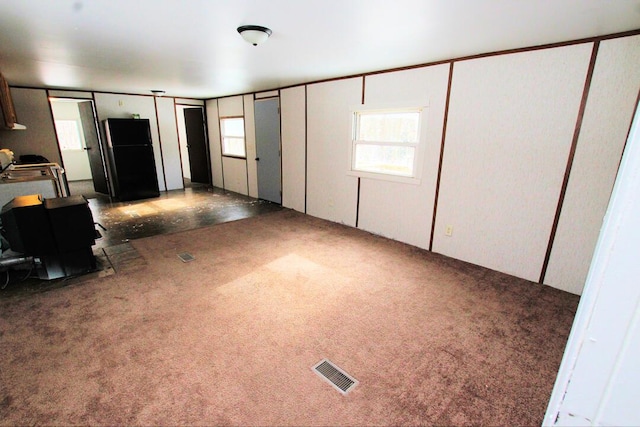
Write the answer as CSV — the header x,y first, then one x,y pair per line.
x,y
335,376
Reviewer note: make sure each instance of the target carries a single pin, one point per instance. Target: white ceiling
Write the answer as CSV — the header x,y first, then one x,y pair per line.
x,y
190,48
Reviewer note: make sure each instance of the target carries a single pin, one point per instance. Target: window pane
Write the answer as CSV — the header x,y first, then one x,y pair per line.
x,y
389,159
233,127
233,147
68,134
233,136
391,127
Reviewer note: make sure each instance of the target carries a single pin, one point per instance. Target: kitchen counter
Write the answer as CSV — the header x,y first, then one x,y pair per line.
x,y
46,179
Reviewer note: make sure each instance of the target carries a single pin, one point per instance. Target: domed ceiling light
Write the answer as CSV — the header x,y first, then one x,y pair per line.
x,y
254,34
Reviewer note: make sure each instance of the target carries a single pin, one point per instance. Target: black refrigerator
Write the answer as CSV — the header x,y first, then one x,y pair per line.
x,y
131,164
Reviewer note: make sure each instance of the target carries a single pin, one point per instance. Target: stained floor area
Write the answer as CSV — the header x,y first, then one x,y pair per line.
x,y
120,222
173,211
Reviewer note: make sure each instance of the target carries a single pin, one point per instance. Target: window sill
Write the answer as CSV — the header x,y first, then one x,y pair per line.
x,y
385,177
234,157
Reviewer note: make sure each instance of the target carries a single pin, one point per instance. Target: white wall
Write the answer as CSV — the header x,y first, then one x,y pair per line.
x,y
404,211
33,111
54,93
169,143
233,169
331,193
599,380
614,87
189,101
250,139
32,106
164,132
510,127
110,105
293,119
213,128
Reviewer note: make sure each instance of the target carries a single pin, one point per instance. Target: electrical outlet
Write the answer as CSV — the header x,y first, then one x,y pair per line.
x,y
448,231
120,103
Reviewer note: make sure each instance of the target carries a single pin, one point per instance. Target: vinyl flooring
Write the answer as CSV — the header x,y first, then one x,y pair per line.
x,y
176,210
121,222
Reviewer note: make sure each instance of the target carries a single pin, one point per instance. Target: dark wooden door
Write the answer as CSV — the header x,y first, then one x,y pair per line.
x,y
197,146
92,143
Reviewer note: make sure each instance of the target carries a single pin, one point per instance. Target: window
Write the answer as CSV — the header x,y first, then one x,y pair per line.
x,y
68,134
386,142
232,132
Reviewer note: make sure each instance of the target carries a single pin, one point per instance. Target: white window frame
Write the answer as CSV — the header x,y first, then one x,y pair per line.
x,y
223,136
418,145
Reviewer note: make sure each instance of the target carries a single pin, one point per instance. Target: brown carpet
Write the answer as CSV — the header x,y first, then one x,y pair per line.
x,y
230,338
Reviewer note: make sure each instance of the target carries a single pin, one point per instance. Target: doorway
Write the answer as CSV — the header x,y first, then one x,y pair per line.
x,y
267,115
79,143
194,150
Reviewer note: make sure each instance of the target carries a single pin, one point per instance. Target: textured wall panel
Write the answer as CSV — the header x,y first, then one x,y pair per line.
x,y
397,210
32,109
170,144
213,127
510,127
235,175
331,193
608,113
250,136
292,110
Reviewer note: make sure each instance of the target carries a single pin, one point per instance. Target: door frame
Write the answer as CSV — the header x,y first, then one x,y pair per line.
x,y
78,100
180,120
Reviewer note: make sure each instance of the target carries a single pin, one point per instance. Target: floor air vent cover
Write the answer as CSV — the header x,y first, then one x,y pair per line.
x,y
335,376
186,257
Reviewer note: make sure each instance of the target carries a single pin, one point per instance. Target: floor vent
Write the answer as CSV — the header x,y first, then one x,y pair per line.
x,y
335,376
186,257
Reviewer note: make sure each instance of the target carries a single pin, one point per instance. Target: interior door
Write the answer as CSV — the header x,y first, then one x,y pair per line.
x,y
92,145
197,145
267,115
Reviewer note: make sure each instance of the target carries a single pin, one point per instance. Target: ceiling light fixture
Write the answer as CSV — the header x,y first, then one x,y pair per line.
x,y
157,92
254,34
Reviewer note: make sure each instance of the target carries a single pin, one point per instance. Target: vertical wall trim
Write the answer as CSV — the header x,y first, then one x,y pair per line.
x,y
442,141
164,177
306,102
358,196
175,113
280,146
246,158
363,88
207,145
358,204
220,138
572,152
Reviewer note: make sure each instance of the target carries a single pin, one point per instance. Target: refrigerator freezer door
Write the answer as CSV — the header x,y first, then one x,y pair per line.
x,y
124,132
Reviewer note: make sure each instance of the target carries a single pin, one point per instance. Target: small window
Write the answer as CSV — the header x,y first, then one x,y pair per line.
x,y
68,134
232,132
386,142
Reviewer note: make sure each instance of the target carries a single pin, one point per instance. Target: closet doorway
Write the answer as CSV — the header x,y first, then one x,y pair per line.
x,y
194,150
